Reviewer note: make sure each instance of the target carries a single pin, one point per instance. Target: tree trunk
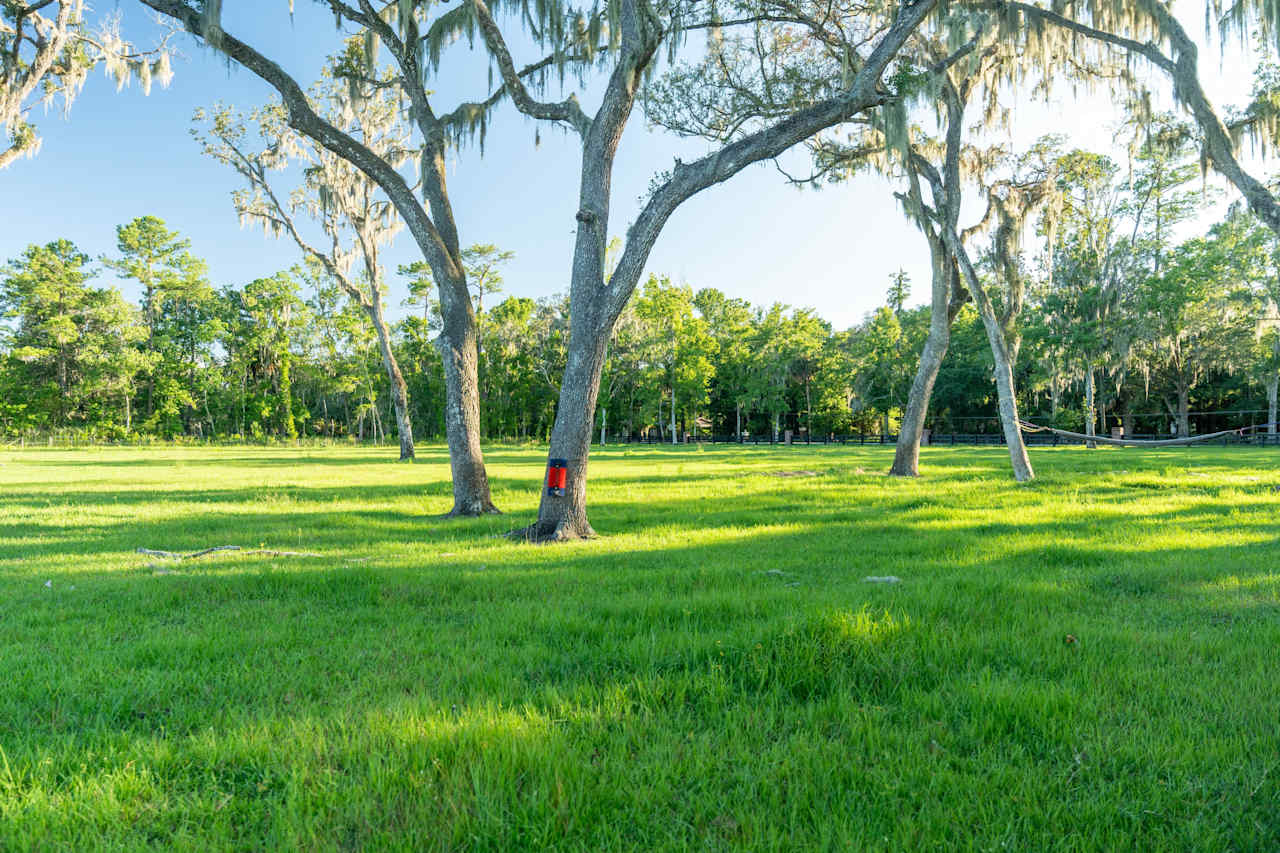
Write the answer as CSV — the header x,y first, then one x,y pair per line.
x,y
604,419
564,517
1273,392
457,348
1090,414
673,415
906,456
737,415
808,413
1184,404
399,390
1022,470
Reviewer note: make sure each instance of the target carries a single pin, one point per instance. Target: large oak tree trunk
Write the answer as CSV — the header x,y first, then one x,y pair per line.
x,y
565,517
457,347
462,431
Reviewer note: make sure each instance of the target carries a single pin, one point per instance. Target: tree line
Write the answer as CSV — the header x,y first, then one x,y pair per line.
x,y
1171,327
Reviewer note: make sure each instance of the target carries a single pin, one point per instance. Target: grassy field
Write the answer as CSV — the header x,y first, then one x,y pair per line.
x,y
1090,662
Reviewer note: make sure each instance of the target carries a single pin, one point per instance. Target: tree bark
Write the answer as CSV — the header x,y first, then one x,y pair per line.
x,y
462,421
564,517
906,456
1009,421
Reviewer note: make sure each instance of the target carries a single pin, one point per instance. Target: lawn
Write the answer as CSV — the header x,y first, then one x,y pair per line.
x,y
1088,662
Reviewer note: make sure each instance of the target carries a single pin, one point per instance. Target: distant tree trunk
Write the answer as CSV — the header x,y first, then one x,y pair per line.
x,y
1184,405
1053,399
285,385
737,421
399,390
604,419
775,425
808,412
1273,392
673,415
1090,413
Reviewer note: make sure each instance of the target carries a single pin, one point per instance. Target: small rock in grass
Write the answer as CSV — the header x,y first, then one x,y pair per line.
x,y
882,579
777,573
48,584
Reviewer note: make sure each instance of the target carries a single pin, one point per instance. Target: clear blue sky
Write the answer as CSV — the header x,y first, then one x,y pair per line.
x,y
122,155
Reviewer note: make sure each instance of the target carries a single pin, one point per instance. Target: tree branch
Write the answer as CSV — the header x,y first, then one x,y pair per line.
x,y
688,179
304,119
567,111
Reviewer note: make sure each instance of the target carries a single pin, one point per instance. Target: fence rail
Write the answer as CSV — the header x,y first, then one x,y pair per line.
x,y
935,440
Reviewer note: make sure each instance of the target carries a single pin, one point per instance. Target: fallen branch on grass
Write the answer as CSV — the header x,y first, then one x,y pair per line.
x,y
176,555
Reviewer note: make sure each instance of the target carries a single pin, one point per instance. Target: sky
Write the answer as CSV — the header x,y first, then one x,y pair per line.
x,y
121,155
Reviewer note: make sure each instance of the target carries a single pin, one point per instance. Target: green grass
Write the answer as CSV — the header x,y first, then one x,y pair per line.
x,y
713,673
